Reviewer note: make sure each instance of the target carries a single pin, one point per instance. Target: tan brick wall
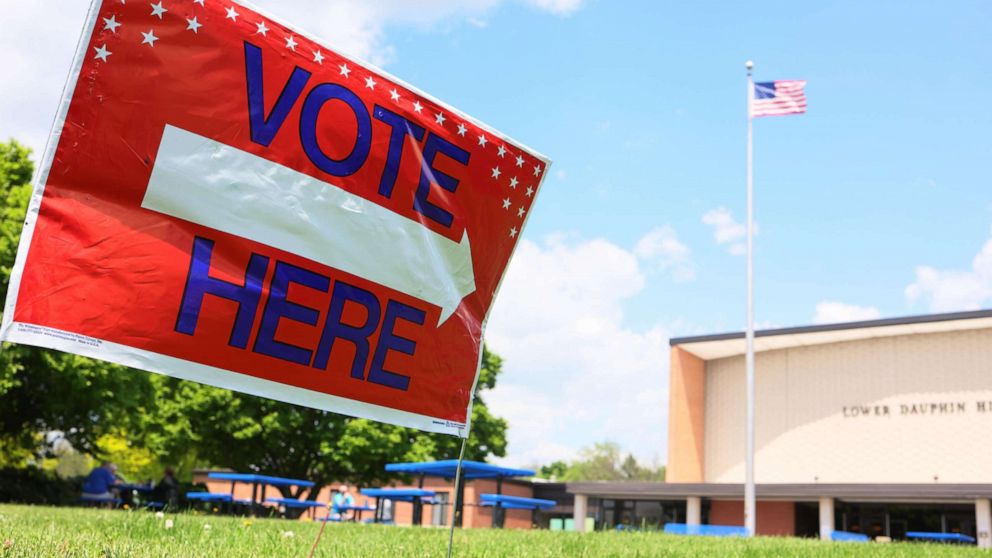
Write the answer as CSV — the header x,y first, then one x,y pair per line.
x,y
803,435
686,413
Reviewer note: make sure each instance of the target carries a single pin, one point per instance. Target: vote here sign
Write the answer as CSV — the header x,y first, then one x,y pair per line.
x,y
228,200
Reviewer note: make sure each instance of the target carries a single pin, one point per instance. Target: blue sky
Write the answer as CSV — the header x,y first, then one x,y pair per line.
x,y
876,203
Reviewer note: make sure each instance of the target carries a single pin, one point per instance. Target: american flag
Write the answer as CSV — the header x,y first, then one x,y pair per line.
x,y
778,98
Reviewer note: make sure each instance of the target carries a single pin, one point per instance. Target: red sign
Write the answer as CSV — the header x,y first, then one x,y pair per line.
x,y
227,200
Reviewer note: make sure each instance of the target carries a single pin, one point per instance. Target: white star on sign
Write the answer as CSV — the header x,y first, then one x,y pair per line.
x,y
149,37
344,70
262,28
502,150
513,182
369,82
193,25
417,107
318,57
290,43
462,129
394,95
513,232
520,161
111,24
537,170
158,10
482,140
506,203
231,14
521,211
439,118
530,191
102,53
496,172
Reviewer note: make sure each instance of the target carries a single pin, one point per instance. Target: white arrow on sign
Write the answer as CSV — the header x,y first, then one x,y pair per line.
x,y
212,184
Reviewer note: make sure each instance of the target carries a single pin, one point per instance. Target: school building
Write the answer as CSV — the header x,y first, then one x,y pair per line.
x,y
879,427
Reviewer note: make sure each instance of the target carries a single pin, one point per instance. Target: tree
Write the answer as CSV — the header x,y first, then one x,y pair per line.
x,y
554,471
247,433
603,462
42,390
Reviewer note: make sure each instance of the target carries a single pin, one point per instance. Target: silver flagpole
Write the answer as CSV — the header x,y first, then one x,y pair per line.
x,y
749,499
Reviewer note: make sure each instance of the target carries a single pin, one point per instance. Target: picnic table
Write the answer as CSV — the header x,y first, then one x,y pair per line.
x,y
447,469
940,537
257,481
500,502
416,496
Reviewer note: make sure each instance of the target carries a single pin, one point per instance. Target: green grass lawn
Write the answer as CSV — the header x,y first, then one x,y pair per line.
x,y
41,531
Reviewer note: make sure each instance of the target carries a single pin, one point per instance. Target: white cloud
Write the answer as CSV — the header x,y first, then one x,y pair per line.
x,y
574,374
953,289
559,7
37,69
726,231
662,247
832,312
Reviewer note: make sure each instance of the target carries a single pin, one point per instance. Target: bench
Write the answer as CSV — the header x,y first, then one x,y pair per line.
x,y
516,502
847,536
940,537
209,497
705,530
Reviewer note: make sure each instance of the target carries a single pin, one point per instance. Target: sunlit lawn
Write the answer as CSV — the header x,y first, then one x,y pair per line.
x,y
41,531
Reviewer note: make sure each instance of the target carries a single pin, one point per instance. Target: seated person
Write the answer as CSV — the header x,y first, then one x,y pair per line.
x,y
100,483
167,489
342,498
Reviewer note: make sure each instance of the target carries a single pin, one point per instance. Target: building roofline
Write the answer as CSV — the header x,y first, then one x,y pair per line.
x,y
906,320
798,491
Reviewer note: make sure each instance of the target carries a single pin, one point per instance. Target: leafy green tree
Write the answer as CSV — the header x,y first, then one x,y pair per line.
x,y
605,462
217,427
42,390
554,471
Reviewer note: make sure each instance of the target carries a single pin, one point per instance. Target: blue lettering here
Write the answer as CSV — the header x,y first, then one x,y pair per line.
x,y
335,329
199,284
277,308
389,341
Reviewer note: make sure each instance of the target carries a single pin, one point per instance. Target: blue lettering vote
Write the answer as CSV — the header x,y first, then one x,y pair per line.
x,y
264,128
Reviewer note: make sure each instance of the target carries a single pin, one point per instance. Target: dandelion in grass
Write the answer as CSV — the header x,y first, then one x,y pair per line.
x,y
169,524
247,522
159,515
215,510
207,527
288,534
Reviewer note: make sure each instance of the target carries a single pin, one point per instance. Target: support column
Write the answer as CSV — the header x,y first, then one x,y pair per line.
x,y
693,510
826,518
983,522
579,511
